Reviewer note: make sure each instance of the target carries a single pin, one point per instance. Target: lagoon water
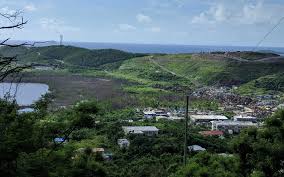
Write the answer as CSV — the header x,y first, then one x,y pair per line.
x,y
24,93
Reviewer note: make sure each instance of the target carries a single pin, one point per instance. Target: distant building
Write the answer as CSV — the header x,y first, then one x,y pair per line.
x,y
59,140
107,156
245,118
161,113
123,143
195,148
149,114
25,110
98,150
231,126
176,118
143,130
212,133
206,119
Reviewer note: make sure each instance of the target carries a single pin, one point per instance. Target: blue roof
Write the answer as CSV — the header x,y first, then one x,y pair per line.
x,y
59,140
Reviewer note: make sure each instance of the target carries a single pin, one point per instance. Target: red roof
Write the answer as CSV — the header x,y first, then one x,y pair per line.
x,y
212,133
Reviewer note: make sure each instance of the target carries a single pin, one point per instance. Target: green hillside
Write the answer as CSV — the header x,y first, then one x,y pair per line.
x,y
176,72
252,71
68,55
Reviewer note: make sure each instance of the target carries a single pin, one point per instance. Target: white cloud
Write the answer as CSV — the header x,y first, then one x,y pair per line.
x,y
30,7
58,26
126,27
154,29
240,12
141,18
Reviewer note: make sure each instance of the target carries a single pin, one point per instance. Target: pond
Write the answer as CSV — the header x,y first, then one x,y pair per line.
x,y
24,93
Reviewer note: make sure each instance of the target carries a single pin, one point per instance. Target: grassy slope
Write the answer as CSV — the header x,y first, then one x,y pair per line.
x,y
70,56
267,84
162,73
207,70
256,76
147,76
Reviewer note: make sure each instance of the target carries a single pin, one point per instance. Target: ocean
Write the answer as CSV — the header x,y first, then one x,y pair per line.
x,y
159,48
169,49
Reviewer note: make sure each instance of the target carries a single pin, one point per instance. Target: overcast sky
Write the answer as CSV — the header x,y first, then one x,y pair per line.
x,y
201,22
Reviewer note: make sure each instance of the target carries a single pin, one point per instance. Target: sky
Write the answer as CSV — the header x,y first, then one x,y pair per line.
x,y
190,22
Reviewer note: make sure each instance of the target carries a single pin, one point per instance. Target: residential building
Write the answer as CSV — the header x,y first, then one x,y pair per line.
x,y
161,112
59,140
232,126
149,114
98,150
123,143
206,119
142,130
196,148
245,118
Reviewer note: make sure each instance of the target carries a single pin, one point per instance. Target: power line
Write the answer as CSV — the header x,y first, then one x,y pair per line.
x,y
269,32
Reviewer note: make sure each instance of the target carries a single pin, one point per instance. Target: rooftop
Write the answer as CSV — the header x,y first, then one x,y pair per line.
x,y
206,117
196,148
234,123
140,128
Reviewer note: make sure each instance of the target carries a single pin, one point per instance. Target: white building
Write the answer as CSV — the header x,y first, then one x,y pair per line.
x,y
231,126
245,118
143,130
149,114
123,143
206,119
196,148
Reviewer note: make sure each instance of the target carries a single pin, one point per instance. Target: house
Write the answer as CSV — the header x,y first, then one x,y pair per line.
x,y
232,126
25,110
161,113
123,143
104,154
212,133
142,130
98,150
176,118
59,140
149,114
245,118
196,148
107,156
206,119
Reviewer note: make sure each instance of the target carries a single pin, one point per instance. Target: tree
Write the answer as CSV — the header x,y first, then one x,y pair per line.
x,y
261,151
210,165
9,64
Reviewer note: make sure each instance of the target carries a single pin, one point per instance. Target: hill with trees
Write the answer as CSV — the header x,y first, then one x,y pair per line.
x,y
69,55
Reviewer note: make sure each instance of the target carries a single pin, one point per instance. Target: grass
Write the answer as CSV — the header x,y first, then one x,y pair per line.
x,y
143,90
270,84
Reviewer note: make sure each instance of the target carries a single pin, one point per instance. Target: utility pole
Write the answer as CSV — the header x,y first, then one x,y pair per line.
x,y
185,134
61,39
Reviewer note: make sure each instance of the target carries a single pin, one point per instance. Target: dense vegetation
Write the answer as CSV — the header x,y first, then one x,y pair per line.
x,y
28,148
163,73
67,55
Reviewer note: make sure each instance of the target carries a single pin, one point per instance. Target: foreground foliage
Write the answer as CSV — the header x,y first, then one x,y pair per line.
x,y
28,148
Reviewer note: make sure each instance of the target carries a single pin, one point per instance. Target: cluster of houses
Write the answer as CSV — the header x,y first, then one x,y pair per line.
x,y
163,114
222,123
259,106
248,113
